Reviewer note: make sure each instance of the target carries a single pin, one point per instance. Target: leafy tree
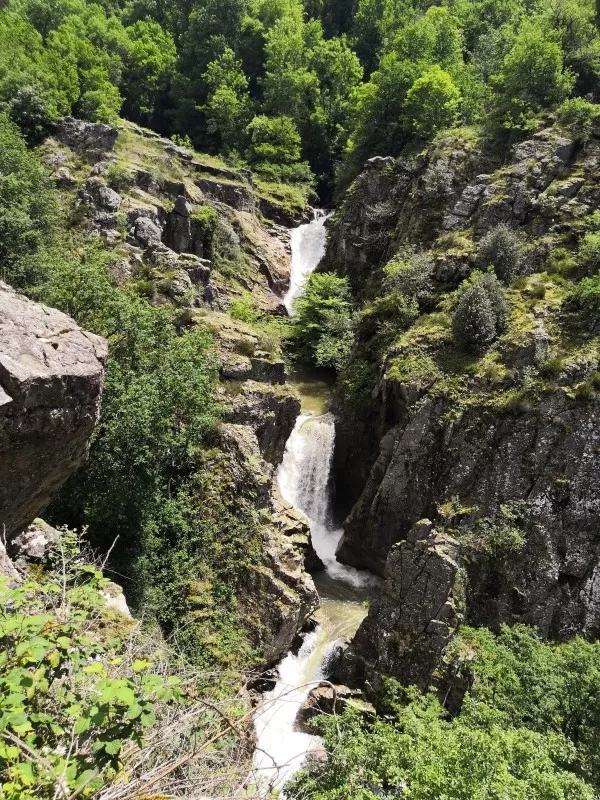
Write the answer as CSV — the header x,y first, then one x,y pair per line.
x,y
501,249
533,77
432,102
148,69
228,104
322,331
481,313
28,211
275,148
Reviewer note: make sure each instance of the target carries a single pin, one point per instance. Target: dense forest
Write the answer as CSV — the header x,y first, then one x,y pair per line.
x,y
300,94
431,292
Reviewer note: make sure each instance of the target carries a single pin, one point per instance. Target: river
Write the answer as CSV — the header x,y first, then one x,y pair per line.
x,y
304,479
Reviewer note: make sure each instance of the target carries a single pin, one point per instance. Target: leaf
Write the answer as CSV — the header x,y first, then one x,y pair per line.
x,y
140,665
113,748
25,770
83,724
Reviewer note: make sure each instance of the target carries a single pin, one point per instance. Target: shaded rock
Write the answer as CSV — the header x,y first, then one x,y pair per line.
x,y
270,413
238,196
7,568
51,377
91,139
329,698
96,192
268,371
410,624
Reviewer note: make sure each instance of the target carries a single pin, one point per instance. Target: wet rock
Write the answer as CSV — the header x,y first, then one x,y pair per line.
x,y
51,377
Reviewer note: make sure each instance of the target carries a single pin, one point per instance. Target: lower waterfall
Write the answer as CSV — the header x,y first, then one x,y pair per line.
x,y
304,480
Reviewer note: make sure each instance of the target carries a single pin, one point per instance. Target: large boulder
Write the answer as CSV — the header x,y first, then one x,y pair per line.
x,y
416,615
91,139
51,377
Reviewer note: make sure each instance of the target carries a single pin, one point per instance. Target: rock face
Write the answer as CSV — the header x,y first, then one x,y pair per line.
x,y
91,139
547,456
410,624
51,377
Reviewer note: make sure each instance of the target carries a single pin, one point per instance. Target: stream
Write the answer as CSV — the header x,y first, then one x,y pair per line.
x,y
304,479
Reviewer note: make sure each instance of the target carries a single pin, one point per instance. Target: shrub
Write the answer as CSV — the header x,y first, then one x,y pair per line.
x,y
322,331
582,305
206,221
580,115
481,314
501,249
409,273
244,309
588,254
119,178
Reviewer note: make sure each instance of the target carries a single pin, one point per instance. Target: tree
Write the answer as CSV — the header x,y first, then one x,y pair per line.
x,y
228,105
481,313
432,102
322,332
148,70
533,77
275,148
500,249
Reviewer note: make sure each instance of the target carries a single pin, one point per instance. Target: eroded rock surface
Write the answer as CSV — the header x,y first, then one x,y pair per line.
x,y
412,621
51,377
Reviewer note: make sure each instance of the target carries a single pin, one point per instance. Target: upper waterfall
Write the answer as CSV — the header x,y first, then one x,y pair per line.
x,y
308,248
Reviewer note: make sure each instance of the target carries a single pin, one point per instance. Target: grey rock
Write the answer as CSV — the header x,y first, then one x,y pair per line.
x,y
97,192
7,568
53,373
178,152
91,139
416,615
146,232
33,544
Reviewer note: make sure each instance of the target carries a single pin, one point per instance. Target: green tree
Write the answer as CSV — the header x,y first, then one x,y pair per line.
x,y
432,102
481,313
228,104
322,331
148,70
533,77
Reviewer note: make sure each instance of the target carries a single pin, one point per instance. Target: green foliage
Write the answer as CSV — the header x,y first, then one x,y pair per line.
x,y
432,102
582,305
410,273
481,313
322,332
580,116
71,701
501,249
533,77
588,254
28,209
527,728
206,221
274,149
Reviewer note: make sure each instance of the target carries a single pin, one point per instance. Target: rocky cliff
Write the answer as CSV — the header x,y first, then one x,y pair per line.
x,y
500,450
51,376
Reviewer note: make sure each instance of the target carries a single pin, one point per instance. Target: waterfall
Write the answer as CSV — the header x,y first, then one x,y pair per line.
x,y
308,248
304,480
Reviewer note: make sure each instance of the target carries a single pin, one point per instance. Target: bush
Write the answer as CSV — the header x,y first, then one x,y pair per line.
x,y
582,305
322,331
580,115
501,249
410,273
206,221
481,314
588,254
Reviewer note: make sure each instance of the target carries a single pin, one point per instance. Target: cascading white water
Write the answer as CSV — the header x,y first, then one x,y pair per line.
x,y
304,480
308,248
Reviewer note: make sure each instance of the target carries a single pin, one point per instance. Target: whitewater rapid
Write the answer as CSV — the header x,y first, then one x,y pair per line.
x,y
304,479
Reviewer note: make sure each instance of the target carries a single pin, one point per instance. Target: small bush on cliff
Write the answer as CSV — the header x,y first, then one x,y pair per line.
x,y
501,249
322,333
481,314
588,254
410,273
582,305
